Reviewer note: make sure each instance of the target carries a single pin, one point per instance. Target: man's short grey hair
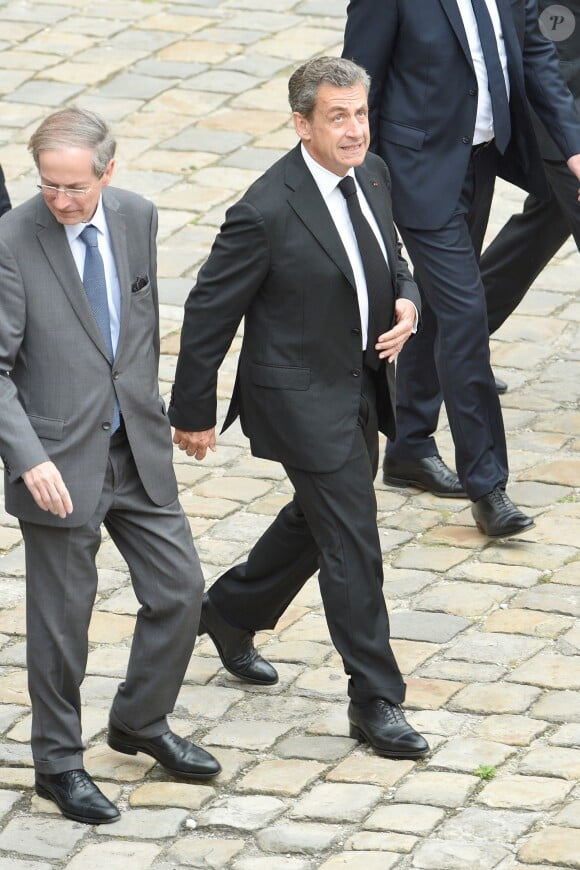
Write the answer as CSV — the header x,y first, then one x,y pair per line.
x,y
75,128
337,71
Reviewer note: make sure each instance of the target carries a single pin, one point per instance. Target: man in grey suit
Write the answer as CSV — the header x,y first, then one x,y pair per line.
x,y
309,257
85,442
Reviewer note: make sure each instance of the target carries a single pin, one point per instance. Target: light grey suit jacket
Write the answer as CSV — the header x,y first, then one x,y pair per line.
x,y
57,386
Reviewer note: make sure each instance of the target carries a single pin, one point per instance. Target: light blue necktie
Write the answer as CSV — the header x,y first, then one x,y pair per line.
x,y
96,289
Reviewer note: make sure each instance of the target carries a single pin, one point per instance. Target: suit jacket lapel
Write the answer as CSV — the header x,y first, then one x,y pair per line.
x,y
53,240
118,235
451,9
304,197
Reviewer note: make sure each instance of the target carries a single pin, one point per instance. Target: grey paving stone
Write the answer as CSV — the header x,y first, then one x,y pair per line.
x,y
432,627
403,583
468,753
149,824
7,801
463,672
552,761
243,813
43,93
298,837
555,598
251,734
115,855
257,863
42,836
488,825
213,141
458,855
201,851
436,789
524,792
247,157
337,802
405,818
316,748
494,648
18,864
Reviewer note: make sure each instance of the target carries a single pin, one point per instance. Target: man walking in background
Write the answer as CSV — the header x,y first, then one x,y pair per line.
x,y
450,84
528,241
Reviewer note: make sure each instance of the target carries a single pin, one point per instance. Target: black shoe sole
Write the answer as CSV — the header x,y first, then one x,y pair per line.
x,y
504,534
402,483
241,676
128,749
75,817
356,733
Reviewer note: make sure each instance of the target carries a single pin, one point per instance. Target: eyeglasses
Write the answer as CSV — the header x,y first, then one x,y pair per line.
x,y
70,192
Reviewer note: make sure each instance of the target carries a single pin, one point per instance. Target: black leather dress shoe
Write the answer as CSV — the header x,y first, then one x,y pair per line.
x,y
235,647
430,474
383,726
77,797
500,385
177,755
497,517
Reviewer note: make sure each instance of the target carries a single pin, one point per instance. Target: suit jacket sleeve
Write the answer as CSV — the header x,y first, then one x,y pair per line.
x,y
369,40
20,447
226,285
545,87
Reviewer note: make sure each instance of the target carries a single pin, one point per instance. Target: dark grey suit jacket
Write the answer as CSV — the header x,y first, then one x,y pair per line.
x,y
279,262
57,386
423,99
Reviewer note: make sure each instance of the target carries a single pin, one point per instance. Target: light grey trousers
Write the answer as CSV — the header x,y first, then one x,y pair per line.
x,y
61,585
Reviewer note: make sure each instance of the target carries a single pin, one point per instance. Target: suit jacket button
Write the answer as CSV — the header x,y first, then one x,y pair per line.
x,y
115,376
472,92
356,373
106,426
355,331
466,140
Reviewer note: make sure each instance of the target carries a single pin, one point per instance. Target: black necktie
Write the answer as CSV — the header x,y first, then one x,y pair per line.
x,y
496,82
95,286
375,268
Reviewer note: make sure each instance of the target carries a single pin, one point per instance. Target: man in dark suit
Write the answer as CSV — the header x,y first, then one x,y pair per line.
x,y
328,302
4,198
449,111
86,442
529,240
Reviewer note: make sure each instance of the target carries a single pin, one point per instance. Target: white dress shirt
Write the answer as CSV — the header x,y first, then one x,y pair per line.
x,y
327,182
484,118
79,249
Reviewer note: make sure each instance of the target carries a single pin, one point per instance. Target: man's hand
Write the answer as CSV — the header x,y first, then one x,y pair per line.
x,y
48,490
574,167
391,343
195,443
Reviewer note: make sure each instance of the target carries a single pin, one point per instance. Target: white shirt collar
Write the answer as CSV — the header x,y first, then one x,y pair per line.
x,y
73,231
324,178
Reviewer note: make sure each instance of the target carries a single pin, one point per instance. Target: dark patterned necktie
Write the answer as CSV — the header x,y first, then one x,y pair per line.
x,y
95,286
376,271
496,82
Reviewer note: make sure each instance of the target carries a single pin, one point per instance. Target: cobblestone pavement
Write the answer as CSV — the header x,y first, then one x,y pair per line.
x,y
486,632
